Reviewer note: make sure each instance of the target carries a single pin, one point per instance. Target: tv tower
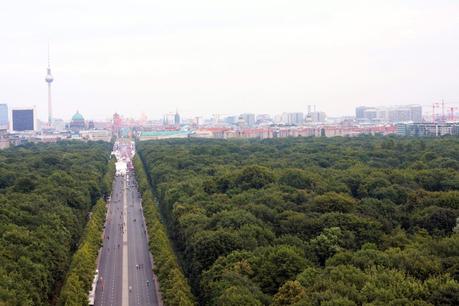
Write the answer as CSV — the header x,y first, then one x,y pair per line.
x,y
49,79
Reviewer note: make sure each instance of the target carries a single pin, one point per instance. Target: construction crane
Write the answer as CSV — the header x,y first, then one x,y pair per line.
x,y
444,109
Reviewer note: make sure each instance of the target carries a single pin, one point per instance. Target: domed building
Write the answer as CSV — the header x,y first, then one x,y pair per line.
x,y
77,123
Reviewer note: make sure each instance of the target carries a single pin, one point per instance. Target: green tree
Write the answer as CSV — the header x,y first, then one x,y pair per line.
x,y
326,244
254,177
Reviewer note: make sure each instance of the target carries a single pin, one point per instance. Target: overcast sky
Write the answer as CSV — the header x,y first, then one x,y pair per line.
x,y
227,56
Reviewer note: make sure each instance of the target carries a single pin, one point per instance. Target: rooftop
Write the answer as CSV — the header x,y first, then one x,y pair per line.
x,y
77,117
163,133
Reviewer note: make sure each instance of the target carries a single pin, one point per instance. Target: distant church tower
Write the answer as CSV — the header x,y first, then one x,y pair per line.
x,y
49,79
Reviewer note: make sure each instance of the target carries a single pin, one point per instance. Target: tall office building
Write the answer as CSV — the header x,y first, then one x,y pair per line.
x,y
317,116
296,118
3,116
169,119
23,119
372,113
292,118
177,118
416,113
360,111
400,114
249,119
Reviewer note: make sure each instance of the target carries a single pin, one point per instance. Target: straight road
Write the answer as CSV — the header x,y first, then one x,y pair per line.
x,y
125,268
141,274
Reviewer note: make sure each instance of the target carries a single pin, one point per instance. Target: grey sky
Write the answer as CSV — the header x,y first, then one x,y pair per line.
x,y
210,56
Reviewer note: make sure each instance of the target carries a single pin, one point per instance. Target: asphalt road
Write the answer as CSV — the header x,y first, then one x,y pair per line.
x,y
125,269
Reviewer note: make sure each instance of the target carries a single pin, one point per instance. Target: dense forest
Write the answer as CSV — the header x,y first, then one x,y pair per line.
x,y
46,193
312,221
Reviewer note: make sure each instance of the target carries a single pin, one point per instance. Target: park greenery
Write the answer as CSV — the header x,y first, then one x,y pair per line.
x,y
80,276
311,221
84,262
46,194
174,287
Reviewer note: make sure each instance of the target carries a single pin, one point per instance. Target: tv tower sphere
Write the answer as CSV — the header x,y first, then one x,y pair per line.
x,y
49,77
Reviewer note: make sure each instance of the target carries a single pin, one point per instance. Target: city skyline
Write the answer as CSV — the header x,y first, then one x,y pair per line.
x,y
228,58
231,152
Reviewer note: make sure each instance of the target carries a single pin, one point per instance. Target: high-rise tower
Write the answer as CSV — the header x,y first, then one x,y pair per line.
x,y
49,79
177,118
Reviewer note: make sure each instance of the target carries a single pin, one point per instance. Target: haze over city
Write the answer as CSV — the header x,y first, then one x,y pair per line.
x,y
229,153
229,57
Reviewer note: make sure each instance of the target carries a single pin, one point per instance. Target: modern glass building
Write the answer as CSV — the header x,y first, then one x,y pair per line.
x,y
23,119
3,116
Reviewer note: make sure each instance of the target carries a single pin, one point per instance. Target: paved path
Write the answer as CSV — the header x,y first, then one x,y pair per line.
x,y
125,269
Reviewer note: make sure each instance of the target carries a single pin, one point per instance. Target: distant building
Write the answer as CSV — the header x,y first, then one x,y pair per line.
x,y
116,124
203,133
156,135
263,118
103,125
296,118
58,124
427,129
360,112
77,123
4,139
371,114
248,118
23,119
277,119
95,135
169,119
292,118
231,119
416,113
402,113
284,118
3,116
177,118
317,116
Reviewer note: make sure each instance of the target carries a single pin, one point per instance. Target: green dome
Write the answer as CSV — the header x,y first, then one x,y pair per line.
x,y
77,117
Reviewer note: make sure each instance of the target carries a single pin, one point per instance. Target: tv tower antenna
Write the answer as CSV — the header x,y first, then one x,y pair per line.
x,y
49,79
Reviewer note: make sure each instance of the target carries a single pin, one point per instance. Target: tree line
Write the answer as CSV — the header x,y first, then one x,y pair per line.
x,y
46,194
174,287
312,221
78,281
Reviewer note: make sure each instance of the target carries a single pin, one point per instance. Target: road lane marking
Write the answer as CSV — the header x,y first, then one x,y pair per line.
x,y
125,291
114,257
